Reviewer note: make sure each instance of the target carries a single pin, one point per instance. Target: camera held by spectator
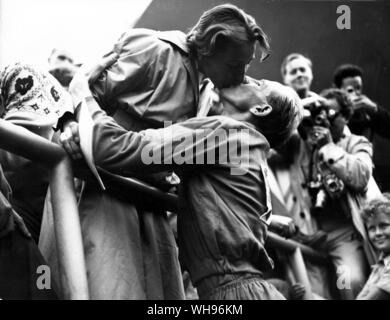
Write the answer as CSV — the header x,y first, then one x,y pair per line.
x,y
323,183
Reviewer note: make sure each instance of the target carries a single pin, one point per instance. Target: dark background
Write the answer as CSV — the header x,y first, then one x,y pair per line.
x,y
309,28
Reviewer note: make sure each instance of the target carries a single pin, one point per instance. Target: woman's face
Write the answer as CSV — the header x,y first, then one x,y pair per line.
x,y
228,65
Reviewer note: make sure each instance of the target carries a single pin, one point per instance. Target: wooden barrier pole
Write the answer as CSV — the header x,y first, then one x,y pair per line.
x,y
289,246
24,143
290,274
68,233
300,273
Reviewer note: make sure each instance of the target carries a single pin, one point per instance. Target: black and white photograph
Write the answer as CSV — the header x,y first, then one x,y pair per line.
x,y
181,151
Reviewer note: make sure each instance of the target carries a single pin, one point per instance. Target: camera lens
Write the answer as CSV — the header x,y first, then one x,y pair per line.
x,y
320,120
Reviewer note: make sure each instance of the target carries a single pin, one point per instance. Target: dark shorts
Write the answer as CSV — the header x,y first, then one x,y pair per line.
x,y
19,262
237,287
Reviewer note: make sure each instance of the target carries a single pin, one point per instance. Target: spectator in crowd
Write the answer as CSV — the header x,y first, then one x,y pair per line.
x,y
368,117
297,73
223,216
62,66
155,79
290,195
342,163
19,255
376,216
34,100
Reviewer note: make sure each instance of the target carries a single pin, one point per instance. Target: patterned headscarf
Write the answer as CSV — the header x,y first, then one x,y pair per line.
x,y
26,88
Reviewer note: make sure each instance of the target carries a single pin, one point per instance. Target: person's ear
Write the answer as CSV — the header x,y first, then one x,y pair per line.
x,y
261,111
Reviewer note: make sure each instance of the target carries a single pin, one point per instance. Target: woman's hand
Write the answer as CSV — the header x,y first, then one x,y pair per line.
x,y
86,75
79,89
70,140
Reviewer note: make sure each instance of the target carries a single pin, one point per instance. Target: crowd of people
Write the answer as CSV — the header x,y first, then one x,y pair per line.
x,y
244,156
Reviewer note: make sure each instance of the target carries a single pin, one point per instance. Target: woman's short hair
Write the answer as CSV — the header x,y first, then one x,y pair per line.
x,y
226,21
342,98
374,207
291,57
287,110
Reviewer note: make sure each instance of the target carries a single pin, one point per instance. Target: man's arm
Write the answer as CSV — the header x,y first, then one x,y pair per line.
x,y
380,117
375,293
380,122
175,147
352,165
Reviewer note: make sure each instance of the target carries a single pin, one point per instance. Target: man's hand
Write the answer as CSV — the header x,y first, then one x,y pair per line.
x,y
364,103
319,136
282,225
313,98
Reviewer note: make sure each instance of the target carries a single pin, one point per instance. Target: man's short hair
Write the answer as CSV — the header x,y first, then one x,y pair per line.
x,y
374,207
226,21
346,71
291,57
287,110
342,98
64,53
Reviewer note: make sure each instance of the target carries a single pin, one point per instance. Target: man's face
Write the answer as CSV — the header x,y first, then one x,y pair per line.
x,y
353,86
62,67
60,56
378,228
228,65
298,75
